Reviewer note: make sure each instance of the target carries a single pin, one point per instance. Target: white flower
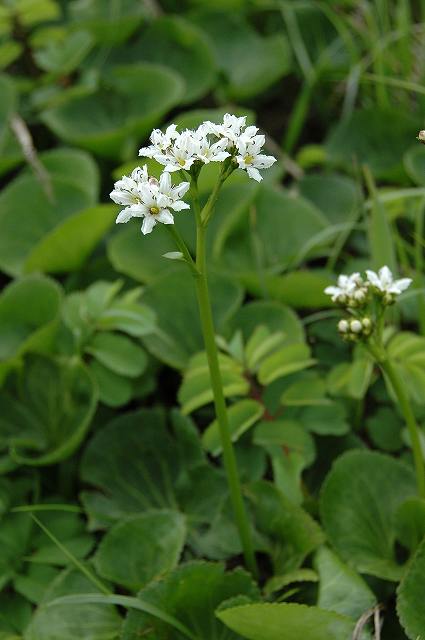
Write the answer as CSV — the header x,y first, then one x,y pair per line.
x,y
182,153
160,142
216,152
148,199
230,128
345,288
250,157
343,326
356,326
385,283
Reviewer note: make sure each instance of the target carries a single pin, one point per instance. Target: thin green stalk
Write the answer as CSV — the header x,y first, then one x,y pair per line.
x,y
78,565
419,261
229,457
406,409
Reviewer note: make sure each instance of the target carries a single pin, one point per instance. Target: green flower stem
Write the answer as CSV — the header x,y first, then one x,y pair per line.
x,y
406,409
220,404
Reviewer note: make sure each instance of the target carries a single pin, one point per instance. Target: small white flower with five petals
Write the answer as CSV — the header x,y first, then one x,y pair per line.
x,y
160,142
148,199
346,286
384,281
250,157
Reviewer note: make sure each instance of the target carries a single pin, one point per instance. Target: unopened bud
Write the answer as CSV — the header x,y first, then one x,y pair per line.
x,y
356,326
359,295
421,137
343,326
367,323
153,180
388,298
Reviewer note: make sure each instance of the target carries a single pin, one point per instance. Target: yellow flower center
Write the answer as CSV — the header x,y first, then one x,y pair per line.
x,y
248,159
182,162
154,211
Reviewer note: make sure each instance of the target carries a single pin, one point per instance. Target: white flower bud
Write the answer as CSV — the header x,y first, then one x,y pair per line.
x,y
421,137
367,323
359,295
343,326
356,326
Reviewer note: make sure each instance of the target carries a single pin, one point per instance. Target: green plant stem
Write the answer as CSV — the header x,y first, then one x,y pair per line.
x,y
229,457
406,409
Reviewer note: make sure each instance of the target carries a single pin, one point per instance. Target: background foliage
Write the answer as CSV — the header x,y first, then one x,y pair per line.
x,y
115,518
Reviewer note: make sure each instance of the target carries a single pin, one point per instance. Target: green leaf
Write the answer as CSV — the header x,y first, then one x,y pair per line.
x,y
266,622
410,523
190,593
172,296
46,412
118,353
327,420
360,497
135,319
241,415
29,311
277,238
414,164
8,93
196,391
166,470
410,596
67,247
66,55
289,434
288,359
26,201
370,137
308,390
251,62
91,621
384,429
175,42
110,120
298,289
407,354
341,589
380,233
289,533
109,24
114,390
141,548
273,315
345,195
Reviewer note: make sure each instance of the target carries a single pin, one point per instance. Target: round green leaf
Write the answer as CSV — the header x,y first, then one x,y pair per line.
x,y
46,414
371,137
68,245
174,42
118,353
191,593
345,195
274,315
173,298
241,415
269,621
28,214
123,110
340,588
360,497
141,548
29,310
114,390
66,621
411,596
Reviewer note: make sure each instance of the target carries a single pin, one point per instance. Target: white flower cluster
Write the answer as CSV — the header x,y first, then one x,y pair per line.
x,y
154,200
148,198
352,290
210,142
357,294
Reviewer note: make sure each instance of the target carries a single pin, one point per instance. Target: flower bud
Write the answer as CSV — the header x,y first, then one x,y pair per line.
x,y
356,326
343,326
421,137
153,180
